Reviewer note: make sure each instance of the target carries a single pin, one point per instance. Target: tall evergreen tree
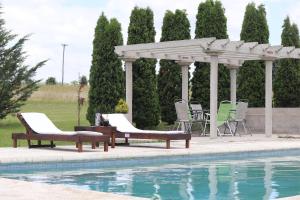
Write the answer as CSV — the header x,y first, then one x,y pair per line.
x,y
145,98
211,22
176,26
106,74
16,78
251,77
287,76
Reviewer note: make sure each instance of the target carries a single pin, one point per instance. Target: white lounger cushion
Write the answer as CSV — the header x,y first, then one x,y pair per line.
x,y
123,125
41,124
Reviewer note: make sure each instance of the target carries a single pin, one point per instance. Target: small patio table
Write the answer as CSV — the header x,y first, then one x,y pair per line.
x,y
106,130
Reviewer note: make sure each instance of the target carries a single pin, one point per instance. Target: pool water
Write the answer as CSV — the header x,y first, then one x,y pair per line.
x,y
233,179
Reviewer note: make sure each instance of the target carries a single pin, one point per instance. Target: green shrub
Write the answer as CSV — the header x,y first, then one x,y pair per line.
x,y
51,81
121,107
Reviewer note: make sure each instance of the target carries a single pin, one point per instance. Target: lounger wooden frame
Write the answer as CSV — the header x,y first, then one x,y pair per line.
x,y
126,136
78,138
156,136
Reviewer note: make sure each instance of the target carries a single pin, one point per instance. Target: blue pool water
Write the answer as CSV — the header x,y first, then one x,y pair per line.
x,y
258,178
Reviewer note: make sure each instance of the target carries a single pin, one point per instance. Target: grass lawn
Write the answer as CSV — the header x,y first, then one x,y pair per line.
x,y
59,104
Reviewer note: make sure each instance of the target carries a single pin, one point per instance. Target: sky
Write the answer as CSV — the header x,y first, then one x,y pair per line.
x,y
53,22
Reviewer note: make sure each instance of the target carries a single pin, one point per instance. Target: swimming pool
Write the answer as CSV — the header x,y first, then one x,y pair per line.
x,y
257,178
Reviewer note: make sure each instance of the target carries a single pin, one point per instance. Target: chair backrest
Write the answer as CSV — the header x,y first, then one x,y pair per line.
x,y
182,111
120,121
197,110
39,123
224,111
241,110
196,106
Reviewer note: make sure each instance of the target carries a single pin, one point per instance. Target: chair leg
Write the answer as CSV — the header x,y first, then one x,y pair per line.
x,y
236,128
93,145
229,127
113,140
105,146
178,126
204,133
168,144
79,144
29,143
245,130
187,144
52,144
15,143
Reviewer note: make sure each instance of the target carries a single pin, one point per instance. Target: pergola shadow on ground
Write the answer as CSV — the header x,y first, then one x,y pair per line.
x,y
213,51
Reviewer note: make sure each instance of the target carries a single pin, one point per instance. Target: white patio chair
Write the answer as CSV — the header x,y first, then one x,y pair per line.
x,y
240,117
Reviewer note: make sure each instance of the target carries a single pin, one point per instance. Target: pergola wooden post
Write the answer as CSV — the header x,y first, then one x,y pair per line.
x,y
128,71
268,98
233,72
213,51
185,80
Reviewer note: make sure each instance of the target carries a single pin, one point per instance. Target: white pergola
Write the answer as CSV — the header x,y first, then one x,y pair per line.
x,y
213,51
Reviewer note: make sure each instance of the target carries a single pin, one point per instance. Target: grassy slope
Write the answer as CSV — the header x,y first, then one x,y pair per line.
x,y
58,102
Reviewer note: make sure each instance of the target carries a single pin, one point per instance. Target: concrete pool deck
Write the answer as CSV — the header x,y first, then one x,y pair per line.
x,y
199,146
22,190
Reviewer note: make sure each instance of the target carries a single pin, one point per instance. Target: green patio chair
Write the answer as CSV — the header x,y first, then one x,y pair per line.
x,y
224,116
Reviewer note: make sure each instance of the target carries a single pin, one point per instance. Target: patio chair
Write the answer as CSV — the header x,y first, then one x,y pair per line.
x,y
126,130
240,117
196,110
223,117
39,127
198,114
184,119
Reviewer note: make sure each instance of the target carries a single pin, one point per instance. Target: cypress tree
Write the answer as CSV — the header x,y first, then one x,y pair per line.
x,y
145,98
106,74
211,22
287,76
251,77
176,26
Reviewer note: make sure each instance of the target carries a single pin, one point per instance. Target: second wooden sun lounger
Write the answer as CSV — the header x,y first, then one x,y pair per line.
x,y
126,130
39,127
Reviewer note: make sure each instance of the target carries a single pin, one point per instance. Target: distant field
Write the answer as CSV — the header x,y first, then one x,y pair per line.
x,y
66,93
59,103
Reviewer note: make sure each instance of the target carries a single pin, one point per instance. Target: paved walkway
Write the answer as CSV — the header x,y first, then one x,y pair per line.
x,y
199,146
22,190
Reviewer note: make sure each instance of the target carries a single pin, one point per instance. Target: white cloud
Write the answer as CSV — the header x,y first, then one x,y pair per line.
x,y
53,22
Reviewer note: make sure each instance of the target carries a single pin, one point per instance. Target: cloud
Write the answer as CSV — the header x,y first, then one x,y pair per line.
x,y
53,22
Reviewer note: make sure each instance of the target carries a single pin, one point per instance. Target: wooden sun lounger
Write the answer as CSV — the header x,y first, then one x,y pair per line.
x,y
118,120
77,138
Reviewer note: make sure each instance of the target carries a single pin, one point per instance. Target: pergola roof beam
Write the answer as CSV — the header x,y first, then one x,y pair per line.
x,y
197,48
187,58
191,51
163,45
